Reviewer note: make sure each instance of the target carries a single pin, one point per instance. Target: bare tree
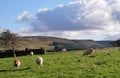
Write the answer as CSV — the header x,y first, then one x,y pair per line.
x,y
9,40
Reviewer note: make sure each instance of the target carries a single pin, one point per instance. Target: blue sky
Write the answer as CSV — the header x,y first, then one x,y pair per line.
x,y
11,9
73,19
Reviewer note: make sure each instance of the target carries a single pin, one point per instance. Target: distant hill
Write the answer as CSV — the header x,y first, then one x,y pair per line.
x,y
105,43
88,44
54,43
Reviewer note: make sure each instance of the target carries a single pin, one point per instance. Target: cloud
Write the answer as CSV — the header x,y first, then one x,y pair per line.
x,y
114,4
113,37
60,5
24,17
43,10
80,16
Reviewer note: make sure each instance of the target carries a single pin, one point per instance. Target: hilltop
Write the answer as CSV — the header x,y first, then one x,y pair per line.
x,y
55,43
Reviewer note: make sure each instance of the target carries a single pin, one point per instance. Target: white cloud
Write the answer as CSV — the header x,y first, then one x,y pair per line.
x,y
81,17
60,5
24,17
115,6
43,10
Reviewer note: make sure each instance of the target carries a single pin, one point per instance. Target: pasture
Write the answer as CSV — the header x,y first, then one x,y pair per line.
x,y
105,63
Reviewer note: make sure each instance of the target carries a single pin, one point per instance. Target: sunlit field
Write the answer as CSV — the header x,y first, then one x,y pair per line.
x,y
105,63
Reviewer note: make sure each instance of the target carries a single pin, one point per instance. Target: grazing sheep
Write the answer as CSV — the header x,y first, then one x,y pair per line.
x,y
39,61
64,50
17,64
31,53
88,51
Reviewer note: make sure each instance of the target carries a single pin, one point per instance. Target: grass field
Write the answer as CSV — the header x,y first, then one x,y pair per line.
x,y
104,64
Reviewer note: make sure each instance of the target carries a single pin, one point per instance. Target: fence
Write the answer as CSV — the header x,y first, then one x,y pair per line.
x,y
10,53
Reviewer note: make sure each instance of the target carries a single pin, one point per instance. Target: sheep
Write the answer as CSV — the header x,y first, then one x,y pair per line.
x,y
39,61
64,50
17,64
88,51
31,53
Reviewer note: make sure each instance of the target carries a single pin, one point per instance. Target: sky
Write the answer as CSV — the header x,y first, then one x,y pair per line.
x,y
72,19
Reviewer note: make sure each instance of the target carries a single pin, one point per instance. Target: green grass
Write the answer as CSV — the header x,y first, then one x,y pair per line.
x,y
104,64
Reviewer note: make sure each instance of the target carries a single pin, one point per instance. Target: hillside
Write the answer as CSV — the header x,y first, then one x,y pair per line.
x,y
54,43
89,43
106,43
105,63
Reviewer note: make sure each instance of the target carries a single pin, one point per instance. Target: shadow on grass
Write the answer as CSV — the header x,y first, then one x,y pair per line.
x,y
16,70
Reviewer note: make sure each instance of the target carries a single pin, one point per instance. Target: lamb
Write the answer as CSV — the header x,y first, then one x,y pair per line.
x,y
88,51
17,64
39,61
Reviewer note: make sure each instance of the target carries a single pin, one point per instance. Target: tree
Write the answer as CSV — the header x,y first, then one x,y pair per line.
x,y
9,40
117,42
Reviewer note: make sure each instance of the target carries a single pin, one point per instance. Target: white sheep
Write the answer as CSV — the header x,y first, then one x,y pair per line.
x,y
64,50
39,61
31,53
17,64
88,51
